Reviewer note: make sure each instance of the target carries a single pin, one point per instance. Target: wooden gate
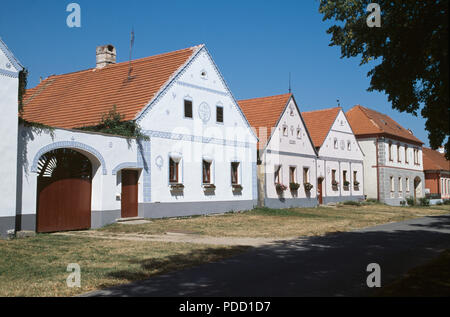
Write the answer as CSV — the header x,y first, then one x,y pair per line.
x,y
63,191
129,199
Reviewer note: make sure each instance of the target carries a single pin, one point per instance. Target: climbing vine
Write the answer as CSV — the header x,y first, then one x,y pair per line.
x,y
113,123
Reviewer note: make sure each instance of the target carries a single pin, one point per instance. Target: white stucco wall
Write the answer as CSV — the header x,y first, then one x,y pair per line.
x,y
368,146
110,152
9,84
294,149
200,136
348,156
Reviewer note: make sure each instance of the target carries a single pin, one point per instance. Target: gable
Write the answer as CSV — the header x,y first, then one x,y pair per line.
x,y
297,139
319,123
9,65
263,113
347,145
200,82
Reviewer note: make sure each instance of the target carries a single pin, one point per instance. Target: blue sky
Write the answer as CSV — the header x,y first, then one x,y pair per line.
x,y
255,44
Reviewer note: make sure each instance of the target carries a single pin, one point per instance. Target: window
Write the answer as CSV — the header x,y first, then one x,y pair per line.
x,y
305,175
336,143
344,176
400,185
187,109
406,154
390,152
234,173
416,156
285,130
173,171
334,182
349,145
277,174
398,153
392,184
355,178
407,184
206,172
299,133
219,114
292,174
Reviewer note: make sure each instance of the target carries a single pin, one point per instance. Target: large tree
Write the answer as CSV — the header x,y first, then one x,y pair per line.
x,y
410,50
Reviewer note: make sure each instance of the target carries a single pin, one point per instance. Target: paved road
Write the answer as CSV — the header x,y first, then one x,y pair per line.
x,y
332,265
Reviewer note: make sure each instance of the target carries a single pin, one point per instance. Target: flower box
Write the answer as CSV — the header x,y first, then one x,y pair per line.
x,y
209,186
280,187
294,186
308,186
237,187
176,186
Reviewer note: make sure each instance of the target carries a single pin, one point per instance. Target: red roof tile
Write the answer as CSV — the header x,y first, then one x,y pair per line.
x,y
263,114
81,98
319,123
434,161
366,121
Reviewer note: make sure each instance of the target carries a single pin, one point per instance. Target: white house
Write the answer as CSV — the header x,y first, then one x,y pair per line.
x,y
286,155
393,164
200,156
340,173
9,88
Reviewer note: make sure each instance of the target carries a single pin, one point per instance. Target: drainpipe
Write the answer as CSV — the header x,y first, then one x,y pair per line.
x,y
378,171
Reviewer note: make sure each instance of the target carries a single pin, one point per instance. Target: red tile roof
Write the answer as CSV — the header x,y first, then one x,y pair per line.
x,y
81,98
319,123
434,161
366,121
263,114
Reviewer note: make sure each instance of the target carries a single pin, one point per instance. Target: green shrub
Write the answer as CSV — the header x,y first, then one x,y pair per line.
x,y
447,202
403,203
424,201
351,203
410,201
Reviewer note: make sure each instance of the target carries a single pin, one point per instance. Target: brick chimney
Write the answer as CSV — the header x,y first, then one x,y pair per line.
x,y
106,55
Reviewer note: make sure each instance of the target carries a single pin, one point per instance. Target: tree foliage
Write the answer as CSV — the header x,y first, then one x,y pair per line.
x,y
412,47
113,123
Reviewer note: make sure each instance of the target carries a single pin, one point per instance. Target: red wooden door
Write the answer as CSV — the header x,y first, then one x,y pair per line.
x,y
319,190
63,192
129,200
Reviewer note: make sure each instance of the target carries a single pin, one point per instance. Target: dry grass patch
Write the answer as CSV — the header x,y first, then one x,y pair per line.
x,y
37,266
283,223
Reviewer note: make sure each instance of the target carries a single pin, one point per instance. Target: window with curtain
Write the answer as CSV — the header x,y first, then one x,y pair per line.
x,y
234,173
206,172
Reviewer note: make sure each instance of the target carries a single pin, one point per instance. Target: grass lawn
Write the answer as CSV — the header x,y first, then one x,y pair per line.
x,y
37,266
430,280
283,223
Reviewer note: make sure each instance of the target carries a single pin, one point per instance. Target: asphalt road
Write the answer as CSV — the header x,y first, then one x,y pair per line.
x,y
331,265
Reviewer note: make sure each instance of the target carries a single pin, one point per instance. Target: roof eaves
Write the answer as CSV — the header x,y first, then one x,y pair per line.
x,y
10,56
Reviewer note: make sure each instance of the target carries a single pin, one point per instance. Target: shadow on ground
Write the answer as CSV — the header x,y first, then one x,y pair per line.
x,y
331,265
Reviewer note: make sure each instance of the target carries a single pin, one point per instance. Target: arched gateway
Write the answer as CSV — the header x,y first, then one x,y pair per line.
x,y
63,191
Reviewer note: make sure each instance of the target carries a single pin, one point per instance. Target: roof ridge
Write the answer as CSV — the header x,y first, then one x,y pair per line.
x,y
142,59
256,98
326,109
